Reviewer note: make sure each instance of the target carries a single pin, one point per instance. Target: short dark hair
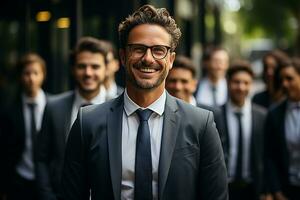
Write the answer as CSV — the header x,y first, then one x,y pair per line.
x,y
110,47
184,62
280,58
148,14
239,66
28,59
90,44
293,62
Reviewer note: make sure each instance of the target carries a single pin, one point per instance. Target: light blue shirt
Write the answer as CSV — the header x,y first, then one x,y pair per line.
x,y
233,132
292,130
130,125
205,93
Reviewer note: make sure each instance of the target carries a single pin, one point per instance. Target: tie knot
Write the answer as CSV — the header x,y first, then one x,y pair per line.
x,y
31,105
144,114
238,114
85,104
213,88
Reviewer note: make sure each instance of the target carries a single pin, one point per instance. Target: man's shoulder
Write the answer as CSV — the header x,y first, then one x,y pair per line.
x,y
61,98
259,109
279,107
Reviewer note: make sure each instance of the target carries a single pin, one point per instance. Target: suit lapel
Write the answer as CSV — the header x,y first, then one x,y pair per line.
x,y
169,135
226,138
67,113
114,136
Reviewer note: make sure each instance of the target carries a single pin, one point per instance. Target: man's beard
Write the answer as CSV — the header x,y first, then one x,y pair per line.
x,y
140,84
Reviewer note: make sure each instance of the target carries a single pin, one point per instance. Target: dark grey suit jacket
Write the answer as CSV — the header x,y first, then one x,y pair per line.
x,y
277,161
191,159
51,144
256,145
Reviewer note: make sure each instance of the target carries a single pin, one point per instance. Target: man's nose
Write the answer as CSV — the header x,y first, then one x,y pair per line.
x,y
148,56
88,70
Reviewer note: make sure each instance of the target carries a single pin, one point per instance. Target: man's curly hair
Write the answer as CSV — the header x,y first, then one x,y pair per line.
x,y
148,14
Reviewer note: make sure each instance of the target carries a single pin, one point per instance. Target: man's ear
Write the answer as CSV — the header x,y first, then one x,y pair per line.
x,y
172,58
122,55
194,85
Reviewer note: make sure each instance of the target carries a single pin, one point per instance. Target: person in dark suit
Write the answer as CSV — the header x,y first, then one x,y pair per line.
x,y
145,144
88,69
244,132
112,89
181,82
282,138
26,115
273,92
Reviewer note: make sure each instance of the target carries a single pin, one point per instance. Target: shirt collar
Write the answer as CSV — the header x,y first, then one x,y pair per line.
x,y
244,109
39,99
193,101
100,98
293,104
220,83
157,106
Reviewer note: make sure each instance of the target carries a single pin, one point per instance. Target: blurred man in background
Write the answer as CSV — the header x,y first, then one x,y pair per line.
x,y
112,89
244,122
273,92
26,114
212,89
88,69
181,82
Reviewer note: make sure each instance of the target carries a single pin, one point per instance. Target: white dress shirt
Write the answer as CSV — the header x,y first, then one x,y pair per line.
x,y
79,101
26,166
233,133
292,130
193,101
205,92
112,92
130,125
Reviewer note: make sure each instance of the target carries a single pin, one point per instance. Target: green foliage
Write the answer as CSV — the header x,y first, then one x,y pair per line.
x,y
271,16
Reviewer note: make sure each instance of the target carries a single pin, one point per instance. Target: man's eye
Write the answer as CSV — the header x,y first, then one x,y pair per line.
x,y
159,50
138,49
81,66
96,66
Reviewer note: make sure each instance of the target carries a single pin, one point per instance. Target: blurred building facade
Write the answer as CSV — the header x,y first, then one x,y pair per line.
x,y
52,27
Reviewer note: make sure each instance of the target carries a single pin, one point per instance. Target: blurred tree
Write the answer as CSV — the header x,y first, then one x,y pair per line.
x,y
280,19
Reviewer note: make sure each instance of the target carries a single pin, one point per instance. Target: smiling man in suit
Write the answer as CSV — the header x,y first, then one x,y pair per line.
x,y
243,137
88,70
145,144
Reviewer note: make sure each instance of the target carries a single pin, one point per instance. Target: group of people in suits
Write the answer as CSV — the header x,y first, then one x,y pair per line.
x,y
262,161
35,128
165,136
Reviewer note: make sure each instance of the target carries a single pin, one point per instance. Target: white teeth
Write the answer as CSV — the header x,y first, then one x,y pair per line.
x,y
148,70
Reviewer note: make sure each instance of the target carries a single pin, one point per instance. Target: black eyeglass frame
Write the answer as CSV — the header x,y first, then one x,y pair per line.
x,y
151,47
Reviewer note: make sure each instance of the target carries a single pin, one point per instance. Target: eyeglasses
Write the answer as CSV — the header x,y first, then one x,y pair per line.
x,y
139,50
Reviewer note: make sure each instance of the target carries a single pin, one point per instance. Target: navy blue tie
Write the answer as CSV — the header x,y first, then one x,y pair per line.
x,y
143,161
33,129
239,162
